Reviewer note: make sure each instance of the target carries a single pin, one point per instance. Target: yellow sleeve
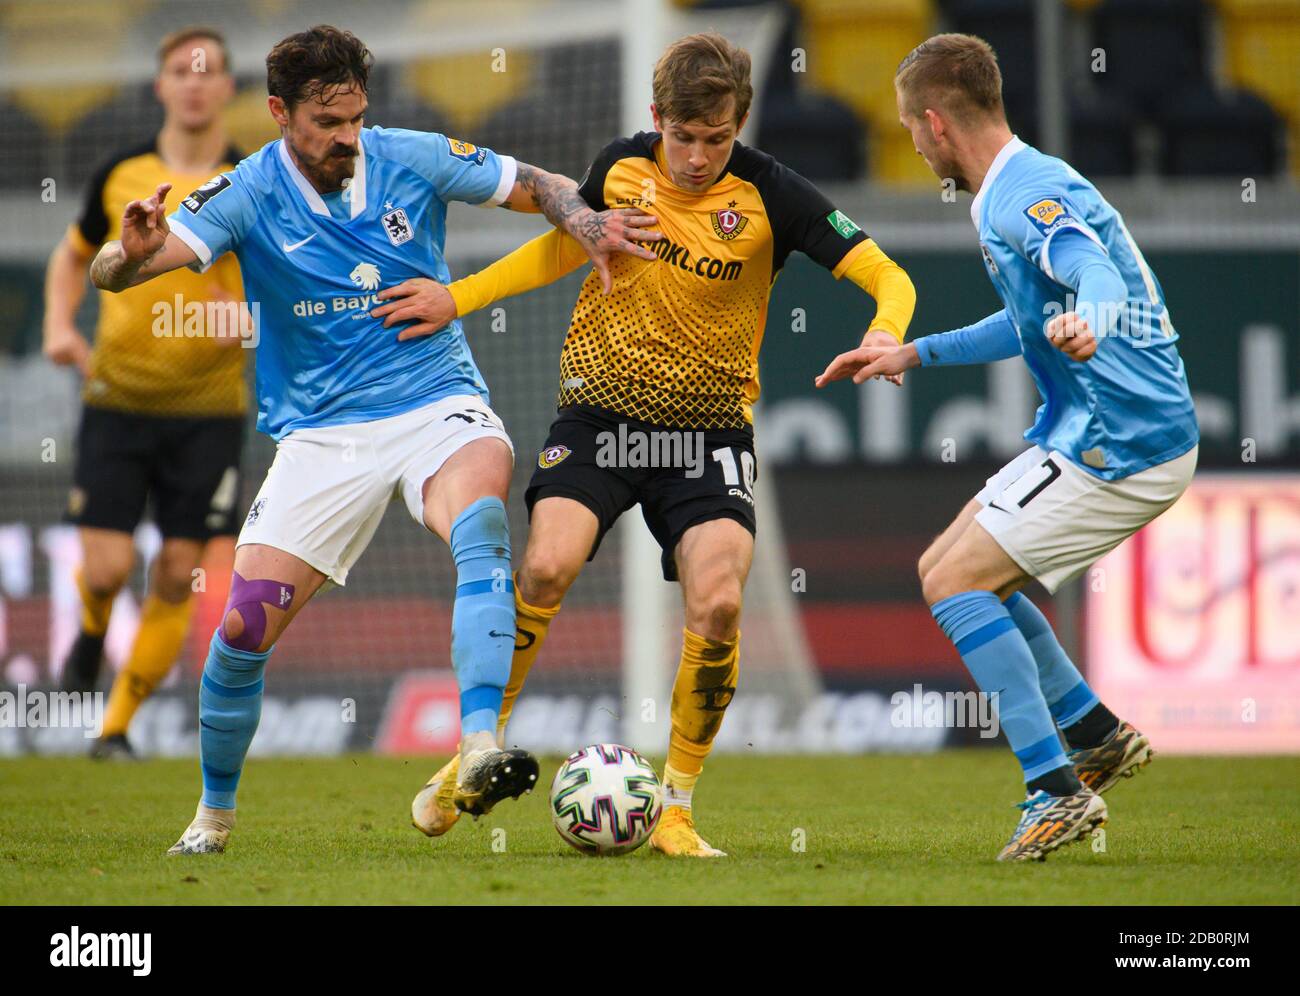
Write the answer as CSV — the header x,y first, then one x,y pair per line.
x,y
534,264
228,276
868,267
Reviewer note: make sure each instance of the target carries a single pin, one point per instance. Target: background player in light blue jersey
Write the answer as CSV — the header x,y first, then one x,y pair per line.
x,y
331,224
1114,441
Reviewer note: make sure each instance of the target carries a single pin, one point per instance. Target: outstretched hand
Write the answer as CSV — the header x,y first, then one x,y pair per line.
x,y
867,362
144,225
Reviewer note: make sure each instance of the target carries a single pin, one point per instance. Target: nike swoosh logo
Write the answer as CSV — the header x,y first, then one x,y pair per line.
x,y
298,245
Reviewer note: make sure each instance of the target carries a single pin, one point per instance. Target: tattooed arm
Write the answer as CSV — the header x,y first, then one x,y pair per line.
x,y
600,233
146,249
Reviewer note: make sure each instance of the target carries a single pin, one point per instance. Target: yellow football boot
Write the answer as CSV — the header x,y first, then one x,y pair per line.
x,y
433,811
676,836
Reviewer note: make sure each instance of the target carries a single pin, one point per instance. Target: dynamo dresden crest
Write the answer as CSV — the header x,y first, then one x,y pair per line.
x,y
728,223
552,455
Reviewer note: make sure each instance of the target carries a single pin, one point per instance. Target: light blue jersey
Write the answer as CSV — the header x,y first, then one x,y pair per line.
x,y
313,264
1128,407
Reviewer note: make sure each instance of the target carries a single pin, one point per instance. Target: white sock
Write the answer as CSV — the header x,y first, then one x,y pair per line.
x,y
677,797
472,743
206,818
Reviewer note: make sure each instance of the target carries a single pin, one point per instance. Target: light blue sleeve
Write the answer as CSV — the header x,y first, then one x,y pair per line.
x,y
988,340
214,218
1029,220
1100,294
458,170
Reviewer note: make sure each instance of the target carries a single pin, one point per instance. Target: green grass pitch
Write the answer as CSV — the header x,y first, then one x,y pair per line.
x,y
876,829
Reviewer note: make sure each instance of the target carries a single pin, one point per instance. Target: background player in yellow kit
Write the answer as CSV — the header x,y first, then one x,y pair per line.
x,y
163,415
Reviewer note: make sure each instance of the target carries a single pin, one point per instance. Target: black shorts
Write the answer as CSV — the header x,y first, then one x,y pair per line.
x,y
679,477
187,467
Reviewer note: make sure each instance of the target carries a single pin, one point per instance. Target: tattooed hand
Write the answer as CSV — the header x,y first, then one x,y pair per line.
x,y
600,233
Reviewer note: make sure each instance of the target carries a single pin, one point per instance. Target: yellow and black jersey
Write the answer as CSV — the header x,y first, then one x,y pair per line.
x,y
677,342
142,360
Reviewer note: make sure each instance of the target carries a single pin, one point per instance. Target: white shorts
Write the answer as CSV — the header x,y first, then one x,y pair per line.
x,y
1055,519
328,487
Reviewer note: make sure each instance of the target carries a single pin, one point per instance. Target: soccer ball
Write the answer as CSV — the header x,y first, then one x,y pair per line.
x,y
606,799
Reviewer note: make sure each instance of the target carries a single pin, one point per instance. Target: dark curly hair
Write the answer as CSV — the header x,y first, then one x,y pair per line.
x,y
305,65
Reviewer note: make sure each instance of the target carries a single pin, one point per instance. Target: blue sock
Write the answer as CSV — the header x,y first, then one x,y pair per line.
x,y
483,617
1068,696
999,659
230,704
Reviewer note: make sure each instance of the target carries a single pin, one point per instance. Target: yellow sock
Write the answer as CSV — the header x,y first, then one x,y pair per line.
x,y
95,610
531,625
706,681
158,642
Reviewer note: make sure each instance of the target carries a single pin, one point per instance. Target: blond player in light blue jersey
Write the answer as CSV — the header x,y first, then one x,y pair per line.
x,y
1113,446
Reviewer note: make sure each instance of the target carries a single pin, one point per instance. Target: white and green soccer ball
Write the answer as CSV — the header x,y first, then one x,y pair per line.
x,y
606,799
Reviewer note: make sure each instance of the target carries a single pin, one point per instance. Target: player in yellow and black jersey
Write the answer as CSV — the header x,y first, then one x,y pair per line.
x,y
658,376
164,395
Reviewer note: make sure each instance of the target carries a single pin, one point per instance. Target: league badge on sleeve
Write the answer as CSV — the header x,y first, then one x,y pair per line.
x,y
397,226
464,150
205,193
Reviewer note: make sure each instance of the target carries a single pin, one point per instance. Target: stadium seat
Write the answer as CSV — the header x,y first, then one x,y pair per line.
x,y
814,134
1261,44
1007,25
1219,133
854,47
1152,47
1103,136
1022,115
391,105
563,135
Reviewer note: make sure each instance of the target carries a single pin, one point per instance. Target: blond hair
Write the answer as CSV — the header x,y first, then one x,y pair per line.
x,y
952,72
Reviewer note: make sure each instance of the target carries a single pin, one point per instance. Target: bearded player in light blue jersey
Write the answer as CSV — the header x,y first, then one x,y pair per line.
x,y
329,224
1114,444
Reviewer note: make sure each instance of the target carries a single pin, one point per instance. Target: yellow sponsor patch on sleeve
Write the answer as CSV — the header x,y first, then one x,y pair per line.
x,y
467,151
1045,212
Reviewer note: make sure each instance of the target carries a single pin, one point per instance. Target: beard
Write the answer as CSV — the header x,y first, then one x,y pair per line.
x,y
949,170
327,173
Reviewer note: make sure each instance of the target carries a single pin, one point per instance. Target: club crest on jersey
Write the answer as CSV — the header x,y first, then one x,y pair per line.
x,y
728,223
205,193
552,455
398,227
469,153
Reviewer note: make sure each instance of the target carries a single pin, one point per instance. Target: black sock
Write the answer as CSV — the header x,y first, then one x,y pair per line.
x,y
1097,724
81,668
1058,781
